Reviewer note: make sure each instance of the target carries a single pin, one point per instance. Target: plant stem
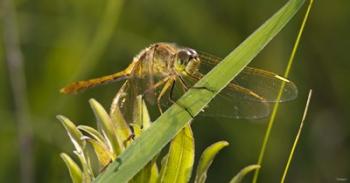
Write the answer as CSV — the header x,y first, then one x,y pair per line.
x,y
296,138
275,108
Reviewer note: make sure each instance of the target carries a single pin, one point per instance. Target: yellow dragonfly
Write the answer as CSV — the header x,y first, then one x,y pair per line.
x,y
162,72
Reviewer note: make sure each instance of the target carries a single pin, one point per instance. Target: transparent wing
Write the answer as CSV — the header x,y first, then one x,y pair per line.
x,y
267,84
125,99
264,83
234,101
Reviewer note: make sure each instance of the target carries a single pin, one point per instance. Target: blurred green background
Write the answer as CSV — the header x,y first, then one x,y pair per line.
x,y
64,41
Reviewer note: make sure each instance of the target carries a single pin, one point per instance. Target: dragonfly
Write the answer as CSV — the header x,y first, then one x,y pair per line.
x,y
163,71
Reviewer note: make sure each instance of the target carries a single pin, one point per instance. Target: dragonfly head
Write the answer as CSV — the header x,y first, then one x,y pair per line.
x,y
187,60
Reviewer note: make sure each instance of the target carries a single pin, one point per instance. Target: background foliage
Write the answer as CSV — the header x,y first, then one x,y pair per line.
x,y
56,40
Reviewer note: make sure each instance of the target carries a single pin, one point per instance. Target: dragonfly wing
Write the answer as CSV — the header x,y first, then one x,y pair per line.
x,y
235,105
264,83
234,101
125,99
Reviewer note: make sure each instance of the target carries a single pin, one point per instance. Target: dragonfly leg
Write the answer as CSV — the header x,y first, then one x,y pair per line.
x,y
165,88
171,99
155,86
131,137
183,83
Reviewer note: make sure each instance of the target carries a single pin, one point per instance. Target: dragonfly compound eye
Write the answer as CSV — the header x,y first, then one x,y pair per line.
x,y
185,55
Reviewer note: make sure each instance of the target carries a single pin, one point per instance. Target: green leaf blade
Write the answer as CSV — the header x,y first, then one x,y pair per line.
x,y
74,170
180,158
148,174
74,134
239,177
103,154
107,126
79,143
92,132
123,130
206,160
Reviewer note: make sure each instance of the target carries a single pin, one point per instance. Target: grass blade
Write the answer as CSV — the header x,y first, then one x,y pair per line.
x,y
74,134
77,139
103,153
206,160
180,158
297,137
107,127
73,168
92,132
239,177
176,117
275,107
123,130
148,174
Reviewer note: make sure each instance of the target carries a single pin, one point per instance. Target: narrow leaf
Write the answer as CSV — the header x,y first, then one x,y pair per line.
x,y
103,154
239,177
73,168
192,102
296,140
87,174
107,127
206,160
154,173
142,116
148,174
180,158
77,139
122,128
74,134
92,132
164,163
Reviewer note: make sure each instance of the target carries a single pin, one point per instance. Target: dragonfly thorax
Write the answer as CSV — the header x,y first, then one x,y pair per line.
x,y
164,59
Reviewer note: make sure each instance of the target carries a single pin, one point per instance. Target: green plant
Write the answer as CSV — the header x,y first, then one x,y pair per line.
x,y
108,143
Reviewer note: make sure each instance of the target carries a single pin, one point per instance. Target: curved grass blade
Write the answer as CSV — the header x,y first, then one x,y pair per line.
x,y
92,132
148,174
152,140
206,160
77,139
141,113
107,127
154,173
103,154
180,159
122,128
296,140
239,177
74,134
73,168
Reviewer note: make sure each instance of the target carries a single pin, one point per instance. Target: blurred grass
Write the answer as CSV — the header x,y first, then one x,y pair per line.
x,y
54,35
